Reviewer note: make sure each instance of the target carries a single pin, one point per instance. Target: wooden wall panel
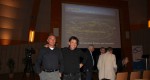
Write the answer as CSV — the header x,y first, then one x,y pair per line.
x,y
126,47
14,20
41,36
34,14
56,18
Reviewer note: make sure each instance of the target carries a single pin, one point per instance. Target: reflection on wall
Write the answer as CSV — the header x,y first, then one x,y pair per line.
x,y
5,35
14,20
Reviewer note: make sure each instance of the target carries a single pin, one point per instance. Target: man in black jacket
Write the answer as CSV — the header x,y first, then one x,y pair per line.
x,y
88,67
49,64
72,57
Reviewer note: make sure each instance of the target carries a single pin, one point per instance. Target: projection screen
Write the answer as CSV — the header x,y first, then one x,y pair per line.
x,y
92,25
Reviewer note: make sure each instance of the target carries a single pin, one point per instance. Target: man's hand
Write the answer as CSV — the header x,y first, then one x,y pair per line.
x,y
81,65
60,74
46,45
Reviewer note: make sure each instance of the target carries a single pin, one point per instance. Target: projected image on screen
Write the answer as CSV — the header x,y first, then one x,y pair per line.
x,y
92,25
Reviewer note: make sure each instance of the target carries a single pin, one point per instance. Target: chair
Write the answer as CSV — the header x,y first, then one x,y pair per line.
x,y
135,75
141,79
146,74
122,76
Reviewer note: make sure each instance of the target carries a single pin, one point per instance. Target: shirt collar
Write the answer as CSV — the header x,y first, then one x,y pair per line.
x,y
51,48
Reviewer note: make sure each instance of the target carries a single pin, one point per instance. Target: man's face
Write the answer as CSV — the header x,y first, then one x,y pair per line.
x,y
51,40
102,50
91,48
73,44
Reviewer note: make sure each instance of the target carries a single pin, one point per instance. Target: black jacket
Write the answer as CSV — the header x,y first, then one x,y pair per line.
x,y
89,62
72,60
49,60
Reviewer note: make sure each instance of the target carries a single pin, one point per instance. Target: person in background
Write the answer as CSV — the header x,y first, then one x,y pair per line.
x,y
72,56
49,64
96,57
88,67
122,64
102,50
107,65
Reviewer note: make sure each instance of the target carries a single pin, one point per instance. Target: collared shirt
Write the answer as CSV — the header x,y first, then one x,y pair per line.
x,y
49,60
52,48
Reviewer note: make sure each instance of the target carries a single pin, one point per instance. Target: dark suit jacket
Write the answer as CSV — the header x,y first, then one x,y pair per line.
x,y
120,66
89,62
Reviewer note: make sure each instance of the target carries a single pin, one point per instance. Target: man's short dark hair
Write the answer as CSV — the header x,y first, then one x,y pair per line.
x,y
74,38
109,49
102,48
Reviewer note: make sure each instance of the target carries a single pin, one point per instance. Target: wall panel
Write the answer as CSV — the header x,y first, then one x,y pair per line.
x,y
17,52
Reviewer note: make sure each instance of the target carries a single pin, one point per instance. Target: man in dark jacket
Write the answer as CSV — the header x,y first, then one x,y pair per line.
x,y
88,67
49,64
72,57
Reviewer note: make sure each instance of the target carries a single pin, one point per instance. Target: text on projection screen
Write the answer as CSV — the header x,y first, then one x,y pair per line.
x,y
92,25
